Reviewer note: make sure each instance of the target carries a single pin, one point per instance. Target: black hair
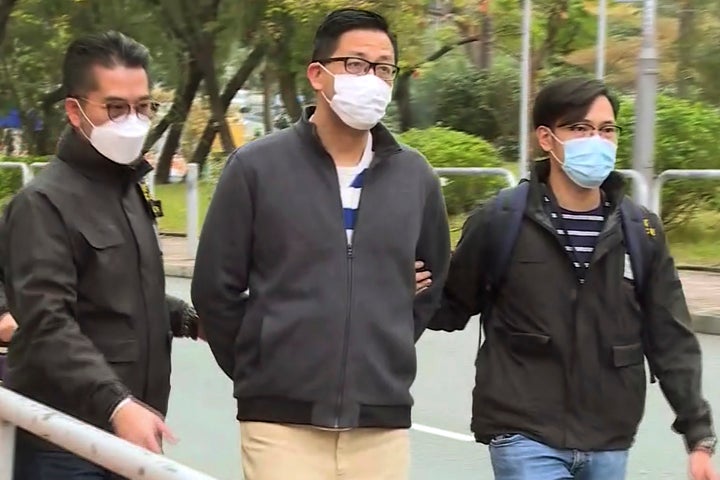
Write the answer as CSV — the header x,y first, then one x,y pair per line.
x,y
109,49
568,100
344,20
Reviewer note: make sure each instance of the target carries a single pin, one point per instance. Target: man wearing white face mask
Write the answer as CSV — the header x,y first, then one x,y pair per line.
x,y
83,270
575,287
322,222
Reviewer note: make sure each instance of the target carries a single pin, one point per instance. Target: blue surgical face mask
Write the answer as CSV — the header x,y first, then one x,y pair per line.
x,y
588,160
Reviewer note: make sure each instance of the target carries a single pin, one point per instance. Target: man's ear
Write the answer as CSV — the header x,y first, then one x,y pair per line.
x,y
544,138
72,110
314,76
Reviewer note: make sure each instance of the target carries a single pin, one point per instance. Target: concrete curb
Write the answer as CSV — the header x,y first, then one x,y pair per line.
x,y
706,323
179,271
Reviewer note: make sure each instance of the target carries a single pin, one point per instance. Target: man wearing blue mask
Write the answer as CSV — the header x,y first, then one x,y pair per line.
x,y
322,223
575,287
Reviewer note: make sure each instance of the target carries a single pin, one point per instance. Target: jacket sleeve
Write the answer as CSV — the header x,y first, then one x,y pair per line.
x,y
461,297
673,347
222,263
41,284
433,249
177,308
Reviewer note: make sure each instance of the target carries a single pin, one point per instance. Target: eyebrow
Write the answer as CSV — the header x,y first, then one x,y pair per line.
x,y
120,99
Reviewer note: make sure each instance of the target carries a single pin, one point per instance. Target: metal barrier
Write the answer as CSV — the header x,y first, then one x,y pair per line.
x,y
38,165
23,167
193,218
642,189
479,171
677,174
93,444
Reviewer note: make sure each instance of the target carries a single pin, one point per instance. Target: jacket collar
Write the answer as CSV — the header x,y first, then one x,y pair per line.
x,y
384,143
76,151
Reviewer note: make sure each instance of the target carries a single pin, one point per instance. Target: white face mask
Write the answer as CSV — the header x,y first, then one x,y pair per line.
x,y
360,100
120,141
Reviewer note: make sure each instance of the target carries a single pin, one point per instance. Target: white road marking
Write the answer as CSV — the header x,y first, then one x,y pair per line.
x,y
442,433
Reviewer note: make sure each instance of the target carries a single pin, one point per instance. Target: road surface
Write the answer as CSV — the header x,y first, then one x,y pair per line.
x,y
202,412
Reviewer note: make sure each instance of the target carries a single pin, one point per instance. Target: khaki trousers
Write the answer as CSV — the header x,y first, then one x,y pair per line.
x,y
273,451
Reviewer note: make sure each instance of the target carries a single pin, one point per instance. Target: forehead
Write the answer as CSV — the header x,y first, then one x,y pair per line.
x,y
373,45
121,82
600,110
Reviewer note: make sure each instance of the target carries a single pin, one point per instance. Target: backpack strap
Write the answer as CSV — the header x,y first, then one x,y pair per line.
x,y
641,250
505,218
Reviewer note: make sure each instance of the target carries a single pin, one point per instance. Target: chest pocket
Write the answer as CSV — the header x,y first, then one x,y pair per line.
x,y
100,249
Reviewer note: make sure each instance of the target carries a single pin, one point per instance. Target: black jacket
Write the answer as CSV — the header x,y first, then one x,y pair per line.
x,y
327,336
562,363
84,279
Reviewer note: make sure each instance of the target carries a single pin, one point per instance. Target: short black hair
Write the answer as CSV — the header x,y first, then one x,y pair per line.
x,y
340,21
109,49
568,100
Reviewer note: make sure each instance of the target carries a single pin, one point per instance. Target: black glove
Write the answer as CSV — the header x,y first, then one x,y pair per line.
x,y
183,318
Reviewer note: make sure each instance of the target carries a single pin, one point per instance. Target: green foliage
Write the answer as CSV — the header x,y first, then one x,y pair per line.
x,y
444,147
452,93
685,138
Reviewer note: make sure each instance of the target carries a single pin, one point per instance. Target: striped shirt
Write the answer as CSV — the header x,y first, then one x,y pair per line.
x,y
351,184
579,232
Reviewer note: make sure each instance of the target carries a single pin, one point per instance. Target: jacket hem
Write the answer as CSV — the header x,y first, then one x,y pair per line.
x,y
298,412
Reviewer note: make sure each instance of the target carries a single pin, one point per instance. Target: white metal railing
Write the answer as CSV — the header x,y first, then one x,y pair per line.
x,y
677,174
82,439
23,167
641,188
193,207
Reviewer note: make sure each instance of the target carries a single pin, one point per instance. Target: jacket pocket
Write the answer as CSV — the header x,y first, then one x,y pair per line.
x,y
623,400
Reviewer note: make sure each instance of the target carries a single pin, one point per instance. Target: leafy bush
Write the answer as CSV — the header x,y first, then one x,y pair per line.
x,y
453,93
11,178
444,147
685,138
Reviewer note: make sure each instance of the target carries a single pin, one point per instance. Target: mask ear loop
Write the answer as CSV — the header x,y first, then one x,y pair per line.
x,y
550,152
86,118
329,73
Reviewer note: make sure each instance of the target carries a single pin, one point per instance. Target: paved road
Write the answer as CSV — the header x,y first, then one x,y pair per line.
x,y
202,412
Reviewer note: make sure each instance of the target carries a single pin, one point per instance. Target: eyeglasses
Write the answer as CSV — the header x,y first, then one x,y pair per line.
x,y
360,66
583,129
118,110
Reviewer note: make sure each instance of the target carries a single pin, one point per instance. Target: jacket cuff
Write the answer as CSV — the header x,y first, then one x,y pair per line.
x,y
107,399
696,434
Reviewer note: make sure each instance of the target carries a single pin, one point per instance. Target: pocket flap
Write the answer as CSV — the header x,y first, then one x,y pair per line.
x,y
626,355
101,236
119,351
529,342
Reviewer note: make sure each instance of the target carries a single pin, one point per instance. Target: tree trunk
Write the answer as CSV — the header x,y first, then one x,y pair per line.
x,y
217,109
402,84
289,94
175,120
6,8
164,162
686,37
486,43
182,103
233,85
267,97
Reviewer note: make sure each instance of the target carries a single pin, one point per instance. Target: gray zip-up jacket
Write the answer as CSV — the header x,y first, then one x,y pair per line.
x,y
327,335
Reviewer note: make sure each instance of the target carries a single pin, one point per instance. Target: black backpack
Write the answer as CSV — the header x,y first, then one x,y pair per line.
x,y
506,212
